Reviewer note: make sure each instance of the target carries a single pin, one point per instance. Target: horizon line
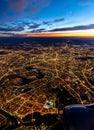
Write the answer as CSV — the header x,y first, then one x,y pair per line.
x,y
49,34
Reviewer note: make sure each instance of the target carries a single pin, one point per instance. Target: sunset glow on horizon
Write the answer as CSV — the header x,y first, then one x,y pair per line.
x,y
80,33
60,34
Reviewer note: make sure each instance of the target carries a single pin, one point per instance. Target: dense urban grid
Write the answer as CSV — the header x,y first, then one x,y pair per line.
x,y
37,82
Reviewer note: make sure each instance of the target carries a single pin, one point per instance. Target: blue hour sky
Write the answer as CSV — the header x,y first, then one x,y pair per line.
x,y
22,17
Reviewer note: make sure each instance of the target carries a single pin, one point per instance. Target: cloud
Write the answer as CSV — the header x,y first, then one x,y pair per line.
x,y
9,34
53,21
37,30
10,29
34,26
59,20
31,6
47,22
17,5
17,35
41,30
14,9
82,27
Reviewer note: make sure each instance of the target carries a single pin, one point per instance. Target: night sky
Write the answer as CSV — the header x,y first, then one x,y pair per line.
x,y
46,17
